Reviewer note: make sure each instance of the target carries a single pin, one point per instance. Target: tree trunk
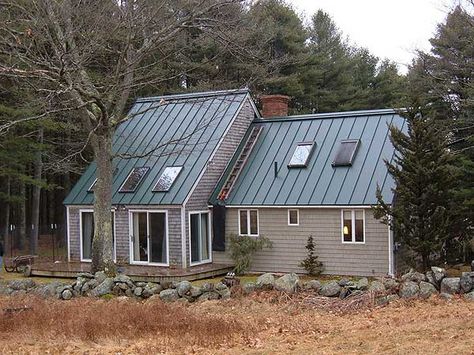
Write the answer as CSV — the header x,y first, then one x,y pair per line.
x,y
102,244
425,257
22,218
35,205
6,216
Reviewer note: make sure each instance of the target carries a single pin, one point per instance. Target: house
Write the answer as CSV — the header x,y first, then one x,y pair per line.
x,y
193,169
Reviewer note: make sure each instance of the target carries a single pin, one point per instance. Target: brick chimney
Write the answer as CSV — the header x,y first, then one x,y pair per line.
x,y
274,105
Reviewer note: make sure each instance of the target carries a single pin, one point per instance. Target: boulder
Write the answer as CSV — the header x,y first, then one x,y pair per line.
x,y
409,289
140,284
446,296
21,284
137,292
427,289
438,274
165,284
129,292
314,285
122,278
287,283
330,289
86,275
66,294
47,290
103,288
362,284
195,292
207,287
345,291
156,289
169,295
344,282
466,282
469,296
382,301
265,281
390,284
249,287
450,285
183,288
376,286
146,292
208,296
100,276
414,276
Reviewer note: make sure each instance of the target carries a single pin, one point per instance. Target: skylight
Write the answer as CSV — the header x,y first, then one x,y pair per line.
x,y
91,188
346,153
167,178
134,179
301,155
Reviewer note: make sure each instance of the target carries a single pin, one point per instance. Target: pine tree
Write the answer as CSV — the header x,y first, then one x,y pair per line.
x,y
311,263
422,169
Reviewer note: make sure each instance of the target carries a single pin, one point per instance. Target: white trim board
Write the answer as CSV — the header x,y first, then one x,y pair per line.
x,y
301,207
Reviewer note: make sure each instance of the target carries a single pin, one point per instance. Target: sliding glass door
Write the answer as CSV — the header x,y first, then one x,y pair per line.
x,y
149,241
200,237
87,233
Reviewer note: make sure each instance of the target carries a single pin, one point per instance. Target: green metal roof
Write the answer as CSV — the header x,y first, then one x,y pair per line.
x,y
184,129
318,184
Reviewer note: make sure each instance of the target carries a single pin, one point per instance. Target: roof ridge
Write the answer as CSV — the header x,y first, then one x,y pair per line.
x,y
312,116
192,95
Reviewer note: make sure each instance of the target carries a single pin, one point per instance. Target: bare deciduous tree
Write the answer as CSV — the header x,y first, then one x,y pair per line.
x,y
90,57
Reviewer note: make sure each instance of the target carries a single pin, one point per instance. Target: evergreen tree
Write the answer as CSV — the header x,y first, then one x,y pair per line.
x,y
311,263
422,168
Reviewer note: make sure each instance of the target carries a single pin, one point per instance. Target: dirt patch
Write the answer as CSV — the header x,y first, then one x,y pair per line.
x,y
262,324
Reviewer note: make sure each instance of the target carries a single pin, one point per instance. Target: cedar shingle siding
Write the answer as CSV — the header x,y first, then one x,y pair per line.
x,y
289,242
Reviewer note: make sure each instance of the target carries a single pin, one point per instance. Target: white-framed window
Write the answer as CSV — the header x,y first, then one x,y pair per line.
x,y
248,222
293,217
353,226
86,231
200,237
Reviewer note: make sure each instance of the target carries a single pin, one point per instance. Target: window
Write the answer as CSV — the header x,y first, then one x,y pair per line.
x,y
149,237
87,233
346,152
293,217
134,179
200,240
301,155
248,222
353,226
167,178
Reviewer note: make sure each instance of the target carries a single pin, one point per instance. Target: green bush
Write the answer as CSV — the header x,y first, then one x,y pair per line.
x,y
242,249
311,264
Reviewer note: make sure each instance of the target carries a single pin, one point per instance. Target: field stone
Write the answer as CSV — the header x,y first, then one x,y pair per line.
x,y
265,281
409,289
312,285
472,265
344,282
66,294
138,291
376,286
140,284
156,289
466,282
195,292
390,284
287,283
100,276
183,287
103,288
116,290
169,295
86,275
129,292
330,289
165,284
414,276
446,296
427,289
362,284
21,284
469,296
124,279
438,273
450,285
207,287
249,287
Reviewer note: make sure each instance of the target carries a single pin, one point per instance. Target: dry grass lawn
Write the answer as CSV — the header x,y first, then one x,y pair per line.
x,y
266,323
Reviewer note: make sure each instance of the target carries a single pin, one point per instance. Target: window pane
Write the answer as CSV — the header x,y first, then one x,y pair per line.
x,y
167,179
347,226
253,222
301,154
346,152
158,250
87,234
139,238
359,226
134,179
195,237
204,237
293,217
243,222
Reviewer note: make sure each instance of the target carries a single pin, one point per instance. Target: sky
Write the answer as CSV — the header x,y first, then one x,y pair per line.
x,y
391,29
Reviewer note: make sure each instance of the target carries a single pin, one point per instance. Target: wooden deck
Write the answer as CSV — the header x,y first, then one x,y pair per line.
x,y
136,272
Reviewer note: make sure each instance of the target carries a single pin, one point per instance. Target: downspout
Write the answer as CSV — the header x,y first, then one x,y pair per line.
x,y
183,237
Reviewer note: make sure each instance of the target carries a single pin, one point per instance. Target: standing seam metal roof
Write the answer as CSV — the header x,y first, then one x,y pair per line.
x,y
319,184
181,130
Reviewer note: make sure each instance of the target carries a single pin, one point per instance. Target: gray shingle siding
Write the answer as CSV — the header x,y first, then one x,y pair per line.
x,y
199,198
371,258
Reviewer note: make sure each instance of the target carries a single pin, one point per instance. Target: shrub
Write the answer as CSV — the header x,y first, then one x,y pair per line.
x,y
242,249
311,263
